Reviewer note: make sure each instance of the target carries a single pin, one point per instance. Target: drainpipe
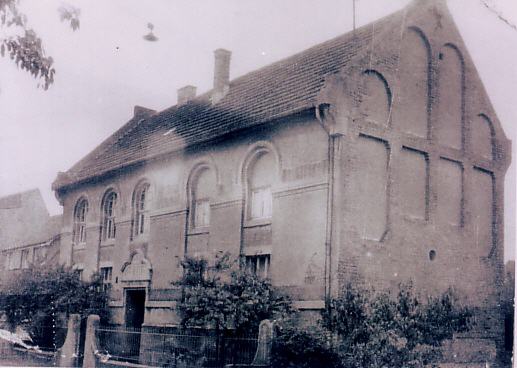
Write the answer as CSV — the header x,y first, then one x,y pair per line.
x,y
333,149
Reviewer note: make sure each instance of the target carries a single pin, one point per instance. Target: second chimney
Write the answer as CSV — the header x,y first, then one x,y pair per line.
x,y
221,74
185,94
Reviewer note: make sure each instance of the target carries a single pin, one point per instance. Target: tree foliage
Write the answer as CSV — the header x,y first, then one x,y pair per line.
x,y
24,47
40,295
223,297
376,330
69,13
299,347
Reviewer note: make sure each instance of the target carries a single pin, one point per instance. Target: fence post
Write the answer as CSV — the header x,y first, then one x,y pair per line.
x,y
90,342
265,343
69,352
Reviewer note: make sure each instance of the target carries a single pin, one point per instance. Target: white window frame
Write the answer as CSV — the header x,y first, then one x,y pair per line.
x,y
140,224
109,228
261,203
80,214
200,206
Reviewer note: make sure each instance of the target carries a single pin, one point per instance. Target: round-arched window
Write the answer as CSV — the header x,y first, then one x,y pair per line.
x,y
140,220
108,216
261,175
202,191
79,229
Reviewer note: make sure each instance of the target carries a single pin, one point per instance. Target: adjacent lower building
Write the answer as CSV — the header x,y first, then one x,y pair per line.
x,y
373,158
29,236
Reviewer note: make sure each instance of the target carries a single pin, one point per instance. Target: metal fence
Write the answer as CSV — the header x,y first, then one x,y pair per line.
x,y
177,348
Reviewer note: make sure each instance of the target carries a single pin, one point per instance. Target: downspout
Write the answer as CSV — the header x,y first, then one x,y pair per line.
x,y
320,111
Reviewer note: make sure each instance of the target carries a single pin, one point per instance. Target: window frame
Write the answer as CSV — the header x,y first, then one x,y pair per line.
x,y
14,260
140,211
201,213
25,259
255,261
79,222
107,278
109,215
258,194
200,206
251,189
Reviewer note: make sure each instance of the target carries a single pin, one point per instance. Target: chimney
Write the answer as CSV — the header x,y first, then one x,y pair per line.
x,y
185,94
221,74
140,112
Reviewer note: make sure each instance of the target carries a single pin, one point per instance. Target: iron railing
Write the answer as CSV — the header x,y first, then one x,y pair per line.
x,y
177,348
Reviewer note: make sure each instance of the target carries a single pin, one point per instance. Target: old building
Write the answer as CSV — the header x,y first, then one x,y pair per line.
x,y
29,236
375,157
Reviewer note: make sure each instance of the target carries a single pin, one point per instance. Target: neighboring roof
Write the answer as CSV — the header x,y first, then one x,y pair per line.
x,y
24,220
280,89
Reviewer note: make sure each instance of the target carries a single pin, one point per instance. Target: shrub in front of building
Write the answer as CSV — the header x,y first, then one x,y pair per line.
x,y
225,297
40,299
367,329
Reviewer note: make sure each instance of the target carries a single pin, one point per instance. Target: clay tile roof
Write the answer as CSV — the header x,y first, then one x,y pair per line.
x,y
277,90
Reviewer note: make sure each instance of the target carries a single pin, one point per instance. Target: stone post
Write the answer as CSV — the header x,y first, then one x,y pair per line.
x,y
69,352
265,344
90,342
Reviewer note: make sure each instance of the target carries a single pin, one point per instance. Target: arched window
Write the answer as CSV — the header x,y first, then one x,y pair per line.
x,y
80,212
202,190
108,216
139,223
261,175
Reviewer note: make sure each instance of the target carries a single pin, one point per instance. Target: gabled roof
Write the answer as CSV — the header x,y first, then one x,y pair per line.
x,y
280,89
24,220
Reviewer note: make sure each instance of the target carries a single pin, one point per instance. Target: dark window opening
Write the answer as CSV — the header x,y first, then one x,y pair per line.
x,y
259,265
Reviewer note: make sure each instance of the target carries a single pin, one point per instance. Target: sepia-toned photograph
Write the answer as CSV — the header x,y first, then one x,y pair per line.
x,y
275,184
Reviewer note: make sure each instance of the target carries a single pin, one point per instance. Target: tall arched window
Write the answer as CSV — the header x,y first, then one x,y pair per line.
x,y
202,191
108,216
139,223
80,212
261,175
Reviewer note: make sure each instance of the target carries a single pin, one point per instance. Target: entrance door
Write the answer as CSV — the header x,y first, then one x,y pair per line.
x,y
135,310
135,307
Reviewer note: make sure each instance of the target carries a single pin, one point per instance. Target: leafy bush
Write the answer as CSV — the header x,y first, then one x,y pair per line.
x,y
223,296
303,348
39,296
380,330
367,329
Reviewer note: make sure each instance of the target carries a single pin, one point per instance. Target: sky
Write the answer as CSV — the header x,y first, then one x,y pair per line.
x,y
106,68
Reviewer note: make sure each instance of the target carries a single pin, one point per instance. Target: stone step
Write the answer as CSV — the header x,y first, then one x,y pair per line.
x,y
469,350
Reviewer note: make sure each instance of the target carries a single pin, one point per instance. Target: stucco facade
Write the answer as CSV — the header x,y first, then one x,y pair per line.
x,y
387,164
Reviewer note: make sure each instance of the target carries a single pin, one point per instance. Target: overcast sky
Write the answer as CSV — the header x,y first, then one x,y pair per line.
x,y
106,67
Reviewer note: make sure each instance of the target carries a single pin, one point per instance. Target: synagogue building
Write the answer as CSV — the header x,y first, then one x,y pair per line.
x,y
373,158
